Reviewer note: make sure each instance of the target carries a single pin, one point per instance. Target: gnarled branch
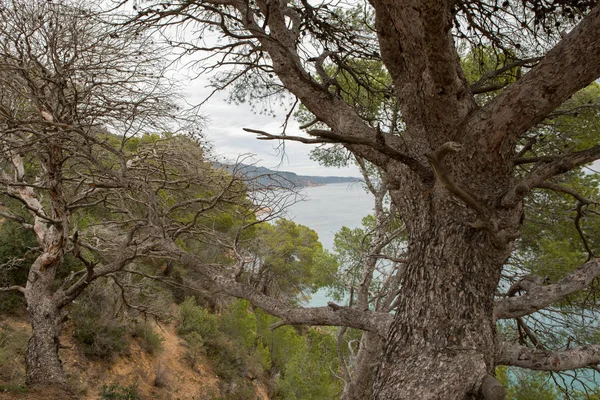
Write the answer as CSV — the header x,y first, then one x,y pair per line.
x,y
547,360
331,315
548,168
539,297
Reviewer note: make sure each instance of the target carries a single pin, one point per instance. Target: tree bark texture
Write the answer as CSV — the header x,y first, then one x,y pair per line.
x,y
51,228
452,177
363,374
43,365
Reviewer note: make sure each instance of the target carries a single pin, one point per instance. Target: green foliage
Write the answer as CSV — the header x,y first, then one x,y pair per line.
x,y
531,386
229,359
150,341
551,245
304,362
481,60
240,323
293,261
195,347
97,329
247,348
118,392
350,247
573,127
307,372
196,319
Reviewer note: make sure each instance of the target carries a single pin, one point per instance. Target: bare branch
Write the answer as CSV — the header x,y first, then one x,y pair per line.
x,y
332,315
547,169
546,360
15,288
480,87
268,136
564,189
539,297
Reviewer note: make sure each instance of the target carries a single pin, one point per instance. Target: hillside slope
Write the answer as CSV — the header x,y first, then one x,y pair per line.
x,y
164,376
268,177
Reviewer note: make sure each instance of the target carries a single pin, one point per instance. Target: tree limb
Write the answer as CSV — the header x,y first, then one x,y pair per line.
x,y
15,288
546,169
480,87
546,360
564,189
552,81
331,315
539,297
262,135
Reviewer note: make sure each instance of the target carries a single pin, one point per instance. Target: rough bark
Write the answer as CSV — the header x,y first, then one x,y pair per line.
x,y
441,342
367,360
541,296
41,358
462,209
547,360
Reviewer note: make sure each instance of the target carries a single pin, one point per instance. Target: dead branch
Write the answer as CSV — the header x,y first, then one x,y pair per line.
x,y
332,315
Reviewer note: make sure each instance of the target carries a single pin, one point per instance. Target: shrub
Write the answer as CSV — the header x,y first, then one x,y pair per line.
x,y
96,328
150,341
118,392
195,347
194,318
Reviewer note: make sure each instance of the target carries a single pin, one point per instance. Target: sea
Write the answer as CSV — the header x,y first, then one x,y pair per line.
x,y
328,208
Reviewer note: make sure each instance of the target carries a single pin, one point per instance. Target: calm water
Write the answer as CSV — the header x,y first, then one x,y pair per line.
x,y
326,209
329,207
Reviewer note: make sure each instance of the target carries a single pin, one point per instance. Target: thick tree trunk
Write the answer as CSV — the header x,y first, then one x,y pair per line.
x,y
41,358
441,344
43,366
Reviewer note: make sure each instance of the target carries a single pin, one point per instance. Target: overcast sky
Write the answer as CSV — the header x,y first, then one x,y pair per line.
x,y
224,131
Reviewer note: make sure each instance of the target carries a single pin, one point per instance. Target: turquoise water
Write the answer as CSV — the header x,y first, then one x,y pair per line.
x,y
326,209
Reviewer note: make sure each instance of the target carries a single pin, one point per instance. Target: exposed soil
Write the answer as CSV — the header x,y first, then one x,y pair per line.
x,y
166,375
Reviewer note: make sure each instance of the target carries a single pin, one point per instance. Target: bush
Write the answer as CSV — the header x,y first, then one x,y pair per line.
x,y
118,392
194,318
96,327
195,347
150,341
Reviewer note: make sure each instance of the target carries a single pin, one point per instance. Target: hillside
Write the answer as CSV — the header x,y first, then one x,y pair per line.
x,y
268,177
135,374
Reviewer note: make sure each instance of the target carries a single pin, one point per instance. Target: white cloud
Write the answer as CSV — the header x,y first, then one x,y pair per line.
x,y
224,130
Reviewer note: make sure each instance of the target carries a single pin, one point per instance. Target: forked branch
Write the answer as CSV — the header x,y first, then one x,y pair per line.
x,y
330,316
539,297
546,360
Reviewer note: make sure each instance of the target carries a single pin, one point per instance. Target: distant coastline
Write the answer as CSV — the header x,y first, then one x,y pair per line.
x,y
268,177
